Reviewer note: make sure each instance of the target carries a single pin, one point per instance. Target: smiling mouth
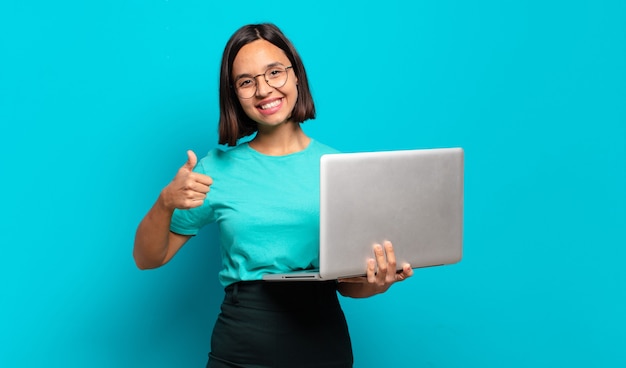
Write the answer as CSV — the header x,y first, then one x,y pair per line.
x,y
271,104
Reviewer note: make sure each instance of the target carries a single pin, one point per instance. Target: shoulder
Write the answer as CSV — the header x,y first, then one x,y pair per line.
x,y
221,157
322,148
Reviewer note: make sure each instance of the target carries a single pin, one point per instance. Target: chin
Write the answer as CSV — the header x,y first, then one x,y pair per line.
x,y
273,122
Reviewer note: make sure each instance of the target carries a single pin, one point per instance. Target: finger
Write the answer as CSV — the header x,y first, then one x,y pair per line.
x,y
381,263
194,195
200,188
391,260
407,272
185,199
191,189
371,271
201,184
202,179
192,160
192,203
191,199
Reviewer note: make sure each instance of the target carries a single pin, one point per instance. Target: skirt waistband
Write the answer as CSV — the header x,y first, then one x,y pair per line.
x,y
282,295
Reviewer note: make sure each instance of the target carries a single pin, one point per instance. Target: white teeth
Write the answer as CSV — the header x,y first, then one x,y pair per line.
x,y
270,105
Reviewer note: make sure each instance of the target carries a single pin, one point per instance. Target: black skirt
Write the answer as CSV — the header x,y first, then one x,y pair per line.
x,y
281,325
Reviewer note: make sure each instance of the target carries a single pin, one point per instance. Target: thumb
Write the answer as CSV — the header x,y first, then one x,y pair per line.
x,y
192,160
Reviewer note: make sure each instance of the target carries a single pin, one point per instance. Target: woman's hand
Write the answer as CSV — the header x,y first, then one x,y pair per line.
x,y
188,189
155,244
380,275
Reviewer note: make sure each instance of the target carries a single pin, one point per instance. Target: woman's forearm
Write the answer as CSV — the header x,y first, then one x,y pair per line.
x,y
152,237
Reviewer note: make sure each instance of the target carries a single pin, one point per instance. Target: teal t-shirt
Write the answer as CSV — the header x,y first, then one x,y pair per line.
x,y
266,208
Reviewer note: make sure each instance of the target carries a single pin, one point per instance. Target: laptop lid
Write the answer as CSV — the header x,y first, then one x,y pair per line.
x,y
414,198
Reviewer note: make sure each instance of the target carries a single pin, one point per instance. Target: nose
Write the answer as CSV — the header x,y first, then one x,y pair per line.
x,y
262,87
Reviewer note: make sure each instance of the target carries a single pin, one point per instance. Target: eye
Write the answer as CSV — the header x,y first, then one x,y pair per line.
x,y
274,73
244,83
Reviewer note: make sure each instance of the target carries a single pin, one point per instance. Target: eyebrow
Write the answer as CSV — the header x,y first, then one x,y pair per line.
x,y
266,67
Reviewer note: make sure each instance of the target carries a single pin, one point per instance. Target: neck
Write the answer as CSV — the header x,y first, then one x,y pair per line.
x,y
280,140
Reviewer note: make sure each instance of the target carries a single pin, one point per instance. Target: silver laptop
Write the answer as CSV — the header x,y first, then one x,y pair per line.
x,y
414,198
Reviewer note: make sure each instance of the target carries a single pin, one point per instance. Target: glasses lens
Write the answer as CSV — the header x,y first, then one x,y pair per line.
x,y
276,77
245,87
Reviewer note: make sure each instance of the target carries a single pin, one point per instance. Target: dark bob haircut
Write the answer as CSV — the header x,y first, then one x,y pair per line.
x,y
234,123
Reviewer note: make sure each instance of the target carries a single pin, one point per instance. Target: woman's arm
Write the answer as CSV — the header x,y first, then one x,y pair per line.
x,y
381,274
155,244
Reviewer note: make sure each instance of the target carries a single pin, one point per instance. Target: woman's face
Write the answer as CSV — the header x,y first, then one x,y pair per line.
x,y
268,106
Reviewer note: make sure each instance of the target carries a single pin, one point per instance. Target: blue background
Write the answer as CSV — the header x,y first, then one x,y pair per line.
x,y
99,101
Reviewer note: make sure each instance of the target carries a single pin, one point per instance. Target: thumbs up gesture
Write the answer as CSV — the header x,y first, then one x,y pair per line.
x,y
188,189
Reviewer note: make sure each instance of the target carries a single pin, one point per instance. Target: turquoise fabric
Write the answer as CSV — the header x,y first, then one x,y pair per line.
x,y
266,207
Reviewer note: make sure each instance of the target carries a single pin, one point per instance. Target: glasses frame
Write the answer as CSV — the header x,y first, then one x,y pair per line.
x,y
264,74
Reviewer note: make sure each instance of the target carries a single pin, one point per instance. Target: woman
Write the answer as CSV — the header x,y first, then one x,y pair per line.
x,y
264,195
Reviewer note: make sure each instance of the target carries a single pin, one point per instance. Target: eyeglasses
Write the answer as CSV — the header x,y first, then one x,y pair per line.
x,y
275,77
